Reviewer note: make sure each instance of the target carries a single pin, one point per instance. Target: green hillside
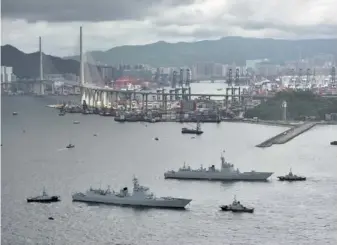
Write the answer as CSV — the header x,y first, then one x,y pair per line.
x,y
299,105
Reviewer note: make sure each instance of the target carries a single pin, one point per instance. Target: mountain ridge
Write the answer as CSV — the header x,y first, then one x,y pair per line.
x,y
26,65
225,50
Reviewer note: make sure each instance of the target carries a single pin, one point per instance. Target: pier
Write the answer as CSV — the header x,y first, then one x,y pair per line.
x,y
288,135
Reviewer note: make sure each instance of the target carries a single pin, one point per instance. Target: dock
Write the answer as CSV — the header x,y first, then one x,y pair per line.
x,y
287,135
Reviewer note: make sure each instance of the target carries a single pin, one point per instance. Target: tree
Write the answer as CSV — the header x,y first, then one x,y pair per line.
x,y
299,105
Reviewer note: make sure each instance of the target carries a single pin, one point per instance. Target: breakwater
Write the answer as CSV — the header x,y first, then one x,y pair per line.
x,y
288,135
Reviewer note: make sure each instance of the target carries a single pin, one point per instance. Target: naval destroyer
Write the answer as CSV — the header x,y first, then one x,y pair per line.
x,y
226,173
139,197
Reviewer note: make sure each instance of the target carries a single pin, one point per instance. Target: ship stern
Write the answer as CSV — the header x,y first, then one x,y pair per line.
x,y
169,175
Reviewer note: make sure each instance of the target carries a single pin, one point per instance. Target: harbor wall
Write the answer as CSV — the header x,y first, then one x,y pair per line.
x,y
288,135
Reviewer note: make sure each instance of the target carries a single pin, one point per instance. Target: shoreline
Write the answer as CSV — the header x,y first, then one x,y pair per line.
x,y
279,123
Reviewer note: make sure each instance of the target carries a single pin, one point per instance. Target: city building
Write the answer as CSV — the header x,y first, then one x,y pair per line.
x,y
106,73
204,70
7,74
251,64
267,69
54,77
166,70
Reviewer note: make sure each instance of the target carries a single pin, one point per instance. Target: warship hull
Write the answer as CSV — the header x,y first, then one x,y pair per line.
x,y
174,203
191,131
248,176
243,210
44,199
282,178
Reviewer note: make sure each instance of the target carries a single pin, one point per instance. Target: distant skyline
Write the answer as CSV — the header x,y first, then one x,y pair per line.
x,y
110,23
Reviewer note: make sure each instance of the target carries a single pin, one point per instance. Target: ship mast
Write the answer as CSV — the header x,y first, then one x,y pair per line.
x,y
198,125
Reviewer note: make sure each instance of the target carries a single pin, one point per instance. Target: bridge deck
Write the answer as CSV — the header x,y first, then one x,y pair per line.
x,y
168,93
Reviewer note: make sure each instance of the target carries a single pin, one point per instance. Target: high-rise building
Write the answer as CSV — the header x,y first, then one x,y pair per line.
x,y
207,70
106,73
6,74
267,69
252,64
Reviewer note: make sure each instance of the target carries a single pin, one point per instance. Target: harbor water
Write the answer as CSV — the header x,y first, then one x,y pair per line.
x,y
33,156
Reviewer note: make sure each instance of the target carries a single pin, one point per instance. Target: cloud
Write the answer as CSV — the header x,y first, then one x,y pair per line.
x,y
84,10
109,23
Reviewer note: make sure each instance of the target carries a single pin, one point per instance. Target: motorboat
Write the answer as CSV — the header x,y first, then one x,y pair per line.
x,y
196,131
86,112
227,172
70,146
236,207
119,119
140,197
44,198
291,177
333,142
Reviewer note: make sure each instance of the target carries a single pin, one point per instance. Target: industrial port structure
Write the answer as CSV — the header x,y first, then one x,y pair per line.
x,y
94,95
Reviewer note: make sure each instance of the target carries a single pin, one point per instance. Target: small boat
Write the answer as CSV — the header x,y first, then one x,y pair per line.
x,y
333,142
236,207
291,177
120,118
62,113
196,131
70,146
86,112
76,122
14,113
45,198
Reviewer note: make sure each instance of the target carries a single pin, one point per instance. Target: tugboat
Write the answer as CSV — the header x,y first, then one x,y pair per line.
x,y
291,177
333,142
45,198
70,146
196,131
236,207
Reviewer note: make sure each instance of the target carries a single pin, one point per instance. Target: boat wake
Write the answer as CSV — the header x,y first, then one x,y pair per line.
x,y
62,149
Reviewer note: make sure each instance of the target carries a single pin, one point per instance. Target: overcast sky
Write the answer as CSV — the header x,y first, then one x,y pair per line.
x,y
110,23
